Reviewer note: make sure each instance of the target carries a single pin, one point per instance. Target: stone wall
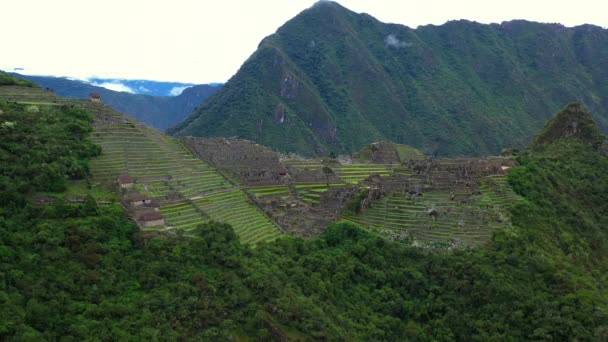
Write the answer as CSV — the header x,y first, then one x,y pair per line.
x,y
253,164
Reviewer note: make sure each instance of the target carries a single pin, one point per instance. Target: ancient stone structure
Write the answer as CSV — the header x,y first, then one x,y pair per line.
x,y
253,164
150,219
125,181
382,152
137,200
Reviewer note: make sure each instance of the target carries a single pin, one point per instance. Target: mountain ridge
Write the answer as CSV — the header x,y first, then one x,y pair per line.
x,y
331,80
161,112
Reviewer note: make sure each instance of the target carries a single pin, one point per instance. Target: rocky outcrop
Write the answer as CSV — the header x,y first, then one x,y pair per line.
x,y
572,122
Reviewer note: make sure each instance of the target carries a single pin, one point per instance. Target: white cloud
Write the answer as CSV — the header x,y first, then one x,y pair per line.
x,y
393,41
115,87
177,91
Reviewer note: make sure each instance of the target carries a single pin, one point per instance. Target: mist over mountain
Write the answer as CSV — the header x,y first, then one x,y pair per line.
x,y
331,80
159,111
147,87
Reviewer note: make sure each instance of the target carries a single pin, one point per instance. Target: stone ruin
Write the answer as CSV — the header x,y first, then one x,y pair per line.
x,y
446,175
381,152
305,219
253,164
258,166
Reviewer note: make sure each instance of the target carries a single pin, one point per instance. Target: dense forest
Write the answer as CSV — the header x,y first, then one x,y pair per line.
x,y
331,80
82,271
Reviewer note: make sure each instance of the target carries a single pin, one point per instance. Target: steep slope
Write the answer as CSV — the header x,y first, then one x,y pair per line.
x,y
572,122
161,112
82,271
331,80
8,79
181,189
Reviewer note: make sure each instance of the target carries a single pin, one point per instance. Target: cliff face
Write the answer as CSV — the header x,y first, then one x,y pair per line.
x,y
331,80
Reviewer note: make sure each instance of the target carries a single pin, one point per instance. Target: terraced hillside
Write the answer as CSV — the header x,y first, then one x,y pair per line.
x,y
408,195
457,202
233,207
354,173
164,170
161,169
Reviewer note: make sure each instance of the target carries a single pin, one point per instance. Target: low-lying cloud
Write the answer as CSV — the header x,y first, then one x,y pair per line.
x,y
177,91
393,41
115,86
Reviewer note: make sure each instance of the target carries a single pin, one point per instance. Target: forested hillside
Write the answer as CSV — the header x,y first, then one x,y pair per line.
x,y
331,80
82,271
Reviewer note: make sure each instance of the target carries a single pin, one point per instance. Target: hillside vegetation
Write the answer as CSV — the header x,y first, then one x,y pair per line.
x,y
82,271
161,112
331,80
8,79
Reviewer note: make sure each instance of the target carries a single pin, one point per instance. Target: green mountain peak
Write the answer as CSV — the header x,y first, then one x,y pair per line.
x,y
332,80
573,122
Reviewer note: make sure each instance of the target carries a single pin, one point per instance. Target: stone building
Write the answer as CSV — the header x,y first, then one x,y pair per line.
x,y
151,219
125,181
95,97
138,200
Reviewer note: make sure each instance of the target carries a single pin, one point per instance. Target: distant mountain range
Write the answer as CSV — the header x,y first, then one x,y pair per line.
x,y
161,112
146,87
331,80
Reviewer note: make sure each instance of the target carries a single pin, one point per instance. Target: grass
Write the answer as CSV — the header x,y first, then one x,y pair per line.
x,y
233,207
80,189
465,223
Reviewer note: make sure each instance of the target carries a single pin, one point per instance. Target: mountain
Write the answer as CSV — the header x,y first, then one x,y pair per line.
x,y
572,122
161,112
8,79
77,267
147,87
331,80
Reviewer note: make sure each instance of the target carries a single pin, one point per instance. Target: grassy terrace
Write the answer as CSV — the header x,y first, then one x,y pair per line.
x,y
34,96
312,192
497,193
143,152
268,190
161,165
457,220
183,216
233,207
406,152
310,164
354,173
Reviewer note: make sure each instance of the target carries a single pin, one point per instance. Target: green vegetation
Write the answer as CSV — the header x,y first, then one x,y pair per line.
x,y
232,207
7,79
84,272
354,173
183,216
166,171
440,216
161,112
42,149
312,192
461,88
268,190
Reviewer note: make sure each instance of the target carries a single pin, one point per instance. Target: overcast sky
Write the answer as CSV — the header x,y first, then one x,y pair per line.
x,y
202,41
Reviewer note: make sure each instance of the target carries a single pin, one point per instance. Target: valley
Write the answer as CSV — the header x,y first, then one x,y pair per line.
x,y
354,180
